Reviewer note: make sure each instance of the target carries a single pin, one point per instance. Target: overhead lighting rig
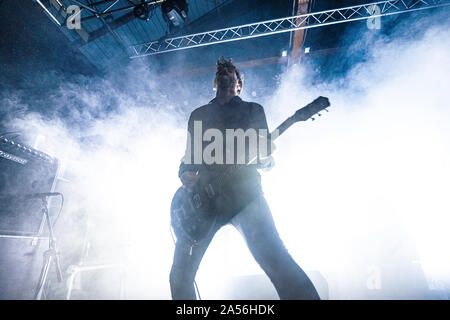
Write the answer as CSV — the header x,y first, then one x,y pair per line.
x,y
175,12
287,24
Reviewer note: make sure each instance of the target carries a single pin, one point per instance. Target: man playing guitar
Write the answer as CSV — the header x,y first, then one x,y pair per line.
x,y
241,201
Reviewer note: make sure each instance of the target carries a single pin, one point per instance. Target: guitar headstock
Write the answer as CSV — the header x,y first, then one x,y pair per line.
x,y
307,112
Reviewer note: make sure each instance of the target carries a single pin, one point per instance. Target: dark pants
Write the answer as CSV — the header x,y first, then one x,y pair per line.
x,y
256,225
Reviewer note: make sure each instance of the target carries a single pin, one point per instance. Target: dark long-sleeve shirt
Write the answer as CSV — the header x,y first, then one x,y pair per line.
x,y
236,114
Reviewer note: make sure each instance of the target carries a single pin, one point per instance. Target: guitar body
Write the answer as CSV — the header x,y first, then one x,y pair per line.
x,y
193,213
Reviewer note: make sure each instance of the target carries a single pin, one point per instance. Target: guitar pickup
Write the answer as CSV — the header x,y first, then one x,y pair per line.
x,y
196,202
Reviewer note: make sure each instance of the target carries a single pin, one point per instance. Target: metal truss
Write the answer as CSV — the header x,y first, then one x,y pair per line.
x,y
270,27
90,6
153,4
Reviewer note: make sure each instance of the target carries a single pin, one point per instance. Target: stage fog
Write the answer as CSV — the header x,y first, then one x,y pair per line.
x,y
359,195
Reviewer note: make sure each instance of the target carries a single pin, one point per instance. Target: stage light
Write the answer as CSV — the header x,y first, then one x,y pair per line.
x,y
284,53
142,11
175,12
307,49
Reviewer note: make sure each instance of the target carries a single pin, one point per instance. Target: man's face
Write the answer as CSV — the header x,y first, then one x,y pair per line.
x,y
227,82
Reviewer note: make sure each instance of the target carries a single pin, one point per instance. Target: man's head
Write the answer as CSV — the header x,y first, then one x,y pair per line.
x,y
228,80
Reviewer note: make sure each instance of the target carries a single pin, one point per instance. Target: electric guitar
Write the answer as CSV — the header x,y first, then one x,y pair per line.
x,y
193,212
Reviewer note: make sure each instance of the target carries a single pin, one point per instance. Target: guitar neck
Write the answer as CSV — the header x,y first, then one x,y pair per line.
x,y
282,128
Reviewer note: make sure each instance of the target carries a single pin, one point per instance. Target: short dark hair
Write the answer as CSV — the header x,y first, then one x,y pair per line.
x,y
227,64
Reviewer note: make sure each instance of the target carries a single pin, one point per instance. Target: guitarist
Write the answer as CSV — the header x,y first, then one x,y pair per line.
x,y
241,203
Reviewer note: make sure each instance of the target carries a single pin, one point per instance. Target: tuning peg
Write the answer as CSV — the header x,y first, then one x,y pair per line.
x,y
312,119
319,114
326,110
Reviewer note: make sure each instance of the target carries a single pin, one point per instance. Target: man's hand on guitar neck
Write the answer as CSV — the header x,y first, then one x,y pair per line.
x,y
189,179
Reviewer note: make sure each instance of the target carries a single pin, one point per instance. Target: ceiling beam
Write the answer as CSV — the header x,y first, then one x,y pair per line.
x,y
298,35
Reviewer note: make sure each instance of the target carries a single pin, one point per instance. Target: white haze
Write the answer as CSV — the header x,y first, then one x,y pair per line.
x,y
351,190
